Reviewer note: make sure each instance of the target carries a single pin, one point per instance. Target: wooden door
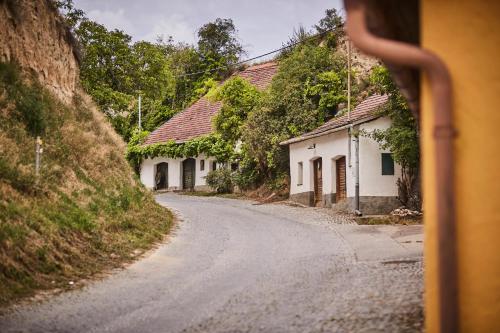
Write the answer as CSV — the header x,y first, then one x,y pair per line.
x,y
341,179
161,177
318,181
188,174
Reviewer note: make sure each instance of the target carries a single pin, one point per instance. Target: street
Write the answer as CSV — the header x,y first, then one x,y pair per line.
x,y
232,266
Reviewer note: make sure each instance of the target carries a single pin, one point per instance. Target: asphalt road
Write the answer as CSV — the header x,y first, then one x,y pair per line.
x,y
236,267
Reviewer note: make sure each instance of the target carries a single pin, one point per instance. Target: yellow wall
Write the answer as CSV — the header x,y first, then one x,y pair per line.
x,y
466,35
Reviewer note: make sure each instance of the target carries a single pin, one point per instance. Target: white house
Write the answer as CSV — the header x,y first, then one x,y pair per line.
x,y
163,173
325,162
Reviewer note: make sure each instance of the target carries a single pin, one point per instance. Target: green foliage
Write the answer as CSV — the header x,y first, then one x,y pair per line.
x,y
220,180
219,46
304,93
327,92
333,25
72,15
239,98
31,105
20,181
115,71
134,155
401,138
210,145
85,205
247,176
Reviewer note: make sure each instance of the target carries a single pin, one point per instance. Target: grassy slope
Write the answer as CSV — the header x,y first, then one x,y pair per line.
x,y
86,212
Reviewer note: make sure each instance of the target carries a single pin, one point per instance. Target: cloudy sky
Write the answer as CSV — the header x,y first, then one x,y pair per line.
x,y
263,25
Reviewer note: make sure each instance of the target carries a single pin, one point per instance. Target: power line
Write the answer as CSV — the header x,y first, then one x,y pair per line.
x,y
259,56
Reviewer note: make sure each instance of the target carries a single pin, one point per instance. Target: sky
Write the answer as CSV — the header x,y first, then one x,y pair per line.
x,y
262,25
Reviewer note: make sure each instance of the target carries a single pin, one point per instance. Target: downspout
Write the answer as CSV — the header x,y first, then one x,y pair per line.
x,y
357,211
349,143
409,55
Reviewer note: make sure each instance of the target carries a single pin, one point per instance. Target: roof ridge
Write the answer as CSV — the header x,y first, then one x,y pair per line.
x,y
259,66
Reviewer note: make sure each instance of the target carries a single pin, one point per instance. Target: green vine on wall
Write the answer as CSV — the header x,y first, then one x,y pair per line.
x,y
210,145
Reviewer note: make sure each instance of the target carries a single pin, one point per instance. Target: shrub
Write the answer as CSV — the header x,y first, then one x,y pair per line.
x,y
247,175
220,180
31,102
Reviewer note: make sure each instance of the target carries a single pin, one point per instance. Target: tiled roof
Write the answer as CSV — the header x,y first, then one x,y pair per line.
x,y
366,110
196,120
260,75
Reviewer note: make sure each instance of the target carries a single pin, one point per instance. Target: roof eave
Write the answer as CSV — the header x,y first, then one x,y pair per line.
x,y
329,131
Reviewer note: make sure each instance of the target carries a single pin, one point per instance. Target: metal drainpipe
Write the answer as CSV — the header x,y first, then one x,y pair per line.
x,y
356,173
405,54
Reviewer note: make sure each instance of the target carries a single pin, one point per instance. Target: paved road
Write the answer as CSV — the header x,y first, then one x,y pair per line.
x,y
236,267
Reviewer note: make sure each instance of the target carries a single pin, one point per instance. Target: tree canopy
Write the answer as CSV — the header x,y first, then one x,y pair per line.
x,y
309,89
218,46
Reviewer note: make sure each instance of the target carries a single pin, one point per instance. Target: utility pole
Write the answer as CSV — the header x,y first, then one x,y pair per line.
x,y
349,80
349,131
38,156
356,173
140,125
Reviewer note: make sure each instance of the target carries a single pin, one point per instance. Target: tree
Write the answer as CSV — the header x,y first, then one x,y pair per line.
x,y
401,138
327,92
114,71
300,35
108,71
218,46
239,98
72,15
333,26
306,90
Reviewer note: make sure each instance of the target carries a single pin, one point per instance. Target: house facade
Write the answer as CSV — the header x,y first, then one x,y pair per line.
x,y
173,174
324,163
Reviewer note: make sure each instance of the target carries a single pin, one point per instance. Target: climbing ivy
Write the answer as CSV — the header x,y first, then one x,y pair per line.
x,y
210,145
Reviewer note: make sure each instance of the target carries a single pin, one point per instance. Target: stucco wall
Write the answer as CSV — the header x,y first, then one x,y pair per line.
x,y
370,164
148,169
465,34
334,145
328,147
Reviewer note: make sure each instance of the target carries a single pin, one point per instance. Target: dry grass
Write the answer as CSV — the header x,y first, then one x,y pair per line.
x,y
388,219
86,212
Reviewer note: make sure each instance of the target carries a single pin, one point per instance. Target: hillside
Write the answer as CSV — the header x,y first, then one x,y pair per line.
x,y
87,210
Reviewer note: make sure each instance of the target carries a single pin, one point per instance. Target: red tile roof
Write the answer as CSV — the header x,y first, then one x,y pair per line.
x,y
365,111
196,120
260,75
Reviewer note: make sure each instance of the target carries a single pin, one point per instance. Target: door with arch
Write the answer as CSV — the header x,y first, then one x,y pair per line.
x,y
340,171
161,176
188,174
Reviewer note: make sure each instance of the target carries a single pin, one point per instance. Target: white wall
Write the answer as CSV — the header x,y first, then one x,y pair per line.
x,y
370,164
329,147
200,175
334,145
148,168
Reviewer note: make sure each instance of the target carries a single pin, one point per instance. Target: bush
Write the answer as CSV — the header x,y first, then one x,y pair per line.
x,y
247,176
220,180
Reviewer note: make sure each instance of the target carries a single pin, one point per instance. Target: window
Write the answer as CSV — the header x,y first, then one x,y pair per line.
x,y
214,165
300,173
202,165
387,164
